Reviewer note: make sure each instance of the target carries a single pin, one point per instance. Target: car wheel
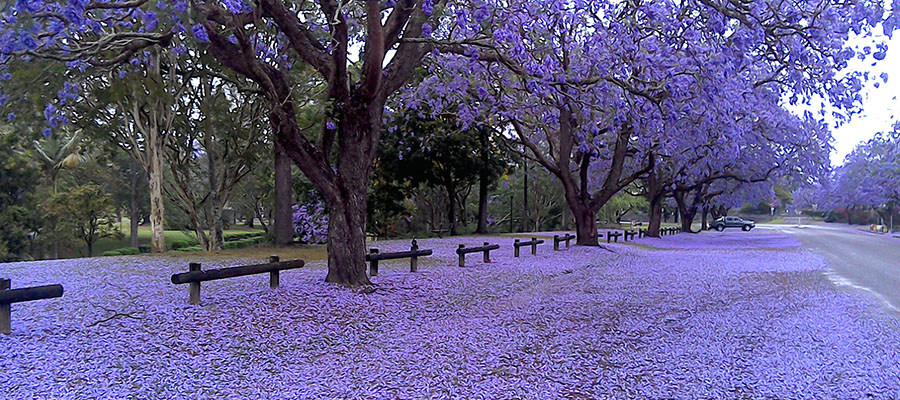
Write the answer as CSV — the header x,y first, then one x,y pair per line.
x,y
746,228
720,228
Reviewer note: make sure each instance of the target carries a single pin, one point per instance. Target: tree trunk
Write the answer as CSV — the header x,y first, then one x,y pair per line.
x,y
585,226
525,211
284,229
157,206
344,186
704,223
656,212
655,197
686,212
451,208
216,230
347,243
483,184
133,204
482,204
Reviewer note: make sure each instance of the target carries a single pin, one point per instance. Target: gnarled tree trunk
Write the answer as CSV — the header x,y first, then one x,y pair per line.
x,y
585,225
686,211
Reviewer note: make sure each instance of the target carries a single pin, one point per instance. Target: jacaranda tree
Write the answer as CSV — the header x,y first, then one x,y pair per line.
x,y
592,90
260,40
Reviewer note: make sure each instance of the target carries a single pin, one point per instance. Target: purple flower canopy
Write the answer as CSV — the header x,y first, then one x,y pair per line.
x,y
731,315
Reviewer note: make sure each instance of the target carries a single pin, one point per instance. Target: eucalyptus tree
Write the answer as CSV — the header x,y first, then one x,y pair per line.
x,y
213,148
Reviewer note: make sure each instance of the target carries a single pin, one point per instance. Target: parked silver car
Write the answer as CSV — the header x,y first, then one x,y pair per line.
x,y
732,222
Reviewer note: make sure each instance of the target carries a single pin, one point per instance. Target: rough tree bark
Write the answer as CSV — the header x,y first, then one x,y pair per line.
x,y
687,211
284,230
157,206
655,196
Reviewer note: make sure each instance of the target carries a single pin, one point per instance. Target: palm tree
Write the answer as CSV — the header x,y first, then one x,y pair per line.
x,y
53,154
58,152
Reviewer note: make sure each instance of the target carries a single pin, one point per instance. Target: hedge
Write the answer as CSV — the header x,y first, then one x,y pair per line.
x,y
190,249
243,235
179,244
129,251
125,251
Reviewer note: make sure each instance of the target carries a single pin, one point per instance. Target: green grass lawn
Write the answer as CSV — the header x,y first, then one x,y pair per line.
x,y
106,244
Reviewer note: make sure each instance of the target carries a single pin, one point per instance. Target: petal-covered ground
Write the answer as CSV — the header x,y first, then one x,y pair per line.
x,y
713,316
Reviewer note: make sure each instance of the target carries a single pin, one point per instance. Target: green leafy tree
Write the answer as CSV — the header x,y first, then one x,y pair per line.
x,y
18,179
435,153
85,212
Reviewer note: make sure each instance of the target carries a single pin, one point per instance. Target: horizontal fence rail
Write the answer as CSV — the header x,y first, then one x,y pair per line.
x,y
557,239
9,296
413,254
534,242
195,275
486,249
233,272
30,294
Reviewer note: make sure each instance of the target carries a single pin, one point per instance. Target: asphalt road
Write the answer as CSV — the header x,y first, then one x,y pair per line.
x,y
866,261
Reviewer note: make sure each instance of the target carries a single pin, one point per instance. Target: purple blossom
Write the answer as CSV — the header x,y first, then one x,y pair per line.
x,y
200,33
583,322
311,222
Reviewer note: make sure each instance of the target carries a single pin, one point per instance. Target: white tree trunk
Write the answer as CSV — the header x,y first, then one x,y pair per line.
x,y
157,206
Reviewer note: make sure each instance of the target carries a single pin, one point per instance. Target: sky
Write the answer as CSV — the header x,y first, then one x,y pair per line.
x,y
881,105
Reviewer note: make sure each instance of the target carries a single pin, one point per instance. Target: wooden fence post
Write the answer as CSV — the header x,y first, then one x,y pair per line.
x,y
274,277
195,286
555,242
516,247
5,310
487,253
568,238
533,246
373,265
414,261
462,256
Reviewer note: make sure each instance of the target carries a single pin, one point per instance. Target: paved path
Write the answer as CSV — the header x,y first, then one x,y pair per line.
x,y
868,261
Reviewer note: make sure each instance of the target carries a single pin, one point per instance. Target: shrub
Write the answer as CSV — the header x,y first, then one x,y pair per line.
x,y
189,249
111,253
145,248
129,251
242,235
